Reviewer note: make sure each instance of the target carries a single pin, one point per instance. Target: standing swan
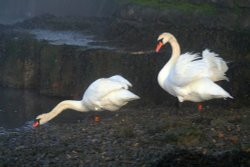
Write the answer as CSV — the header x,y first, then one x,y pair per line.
x,y
190,77
103,94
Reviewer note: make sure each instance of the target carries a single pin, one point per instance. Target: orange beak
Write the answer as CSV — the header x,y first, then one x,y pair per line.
x,y
35,124
158,47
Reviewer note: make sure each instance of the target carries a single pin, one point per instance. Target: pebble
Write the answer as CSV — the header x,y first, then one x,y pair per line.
x,y
87,144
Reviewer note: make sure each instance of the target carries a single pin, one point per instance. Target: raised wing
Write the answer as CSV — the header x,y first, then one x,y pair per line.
x,y
189,67
216,66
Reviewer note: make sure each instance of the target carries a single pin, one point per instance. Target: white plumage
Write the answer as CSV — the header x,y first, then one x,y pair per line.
x,y
103,94
108,94
192,77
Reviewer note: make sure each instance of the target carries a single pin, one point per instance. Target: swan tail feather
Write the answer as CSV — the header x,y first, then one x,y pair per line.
x,y
117,99
206,89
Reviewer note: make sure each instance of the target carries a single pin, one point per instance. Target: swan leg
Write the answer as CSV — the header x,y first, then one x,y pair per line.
x,y
97,118
178,105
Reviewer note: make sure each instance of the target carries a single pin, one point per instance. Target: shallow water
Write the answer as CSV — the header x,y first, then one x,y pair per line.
x,y
19,107
68,38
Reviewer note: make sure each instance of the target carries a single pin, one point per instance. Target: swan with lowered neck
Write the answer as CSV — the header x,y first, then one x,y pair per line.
x,y
103,94
190,77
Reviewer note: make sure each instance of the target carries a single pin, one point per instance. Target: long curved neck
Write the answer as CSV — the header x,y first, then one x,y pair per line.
x,y
164,73
66,104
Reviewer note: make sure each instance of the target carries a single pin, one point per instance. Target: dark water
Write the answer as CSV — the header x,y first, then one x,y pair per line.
x,y
18,108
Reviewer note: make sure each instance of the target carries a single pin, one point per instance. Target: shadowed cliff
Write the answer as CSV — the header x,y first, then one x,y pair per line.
x,y
64,70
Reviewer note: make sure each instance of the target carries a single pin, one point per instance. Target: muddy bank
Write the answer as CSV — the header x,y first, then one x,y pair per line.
x,y
150,136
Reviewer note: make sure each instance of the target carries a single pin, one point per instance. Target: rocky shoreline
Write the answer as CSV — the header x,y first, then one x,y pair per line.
x,y
150,136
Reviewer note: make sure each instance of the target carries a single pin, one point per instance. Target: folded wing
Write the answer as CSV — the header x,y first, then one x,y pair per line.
x,y
108,93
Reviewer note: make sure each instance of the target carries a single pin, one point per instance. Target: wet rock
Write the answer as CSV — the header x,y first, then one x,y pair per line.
x,y
182,158
51,145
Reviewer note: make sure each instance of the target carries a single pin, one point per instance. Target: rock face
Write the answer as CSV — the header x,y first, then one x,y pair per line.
x,y
68,70
18,61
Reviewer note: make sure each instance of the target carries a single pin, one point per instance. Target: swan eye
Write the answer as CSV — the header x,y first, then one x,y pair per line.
x,y
160,40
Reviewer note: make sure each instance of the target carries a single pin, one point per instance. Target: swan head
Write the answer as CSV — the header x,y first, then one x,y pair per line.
x,y
41,119
163,39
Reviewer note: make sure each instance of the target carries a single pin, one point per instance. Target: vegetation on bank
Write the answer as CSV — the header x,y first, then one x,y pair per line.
x,y
184,6
202,8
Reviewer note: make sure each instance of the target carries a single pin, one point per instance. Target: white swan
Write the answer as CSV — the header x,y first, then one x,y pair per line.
x,y
103,94
190,77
